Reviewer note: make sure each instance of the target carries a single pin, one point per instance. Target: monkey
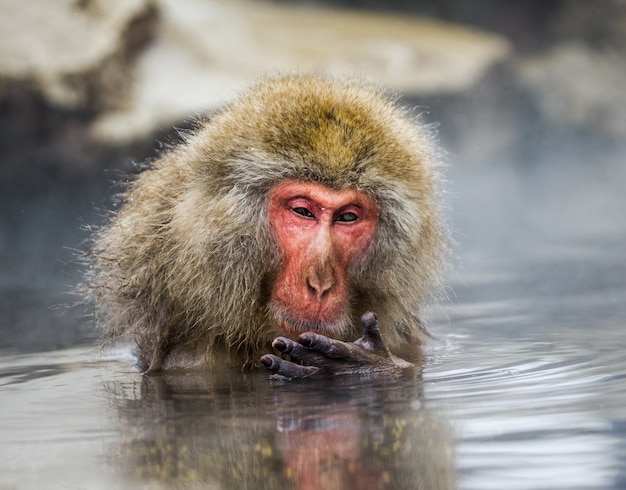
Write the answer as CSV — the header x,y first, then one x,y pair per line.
x,y
302,215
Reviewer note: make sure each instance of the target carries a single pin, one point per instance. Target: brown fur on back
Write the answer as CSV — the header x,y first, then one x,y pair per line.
x,y
186,266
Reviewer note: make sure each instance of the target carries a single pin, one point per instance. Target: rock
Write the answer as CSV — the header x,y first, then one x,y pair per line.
x,y
208,50
597,24
579,87
74,53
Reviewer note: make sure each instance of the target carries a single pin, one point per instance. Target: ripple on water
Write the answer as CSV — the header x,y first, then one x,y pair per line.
x,y
539,410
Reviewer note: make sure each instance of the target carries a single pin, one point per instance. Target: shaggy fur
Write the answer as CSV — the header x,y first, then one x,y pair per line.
x,y
185,268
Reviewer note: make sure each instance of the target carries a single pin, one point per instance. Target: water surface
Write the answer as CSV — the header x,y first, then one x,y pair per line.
x,y
525,388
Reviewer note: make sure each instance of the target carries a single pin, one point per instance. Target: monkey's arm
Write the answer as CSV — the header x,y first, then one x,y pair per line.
x,y
329,356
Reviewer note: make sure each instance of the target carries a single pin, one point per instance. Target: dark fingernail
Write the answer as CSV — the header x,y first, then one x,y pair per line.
x,y
267,361
306,339
369,318
279,344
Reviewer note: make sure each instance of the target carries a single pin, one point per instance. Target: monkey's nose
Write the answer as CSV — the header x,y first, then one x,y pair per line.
x,y
319,286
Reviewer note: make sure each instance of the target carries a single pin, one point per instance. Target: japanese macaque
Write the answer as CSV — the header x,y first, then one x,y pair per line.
x,y
299,218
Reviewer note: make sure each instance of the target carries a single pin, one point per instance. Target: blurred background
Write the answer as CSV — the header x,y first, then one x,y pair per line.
x,y
528,97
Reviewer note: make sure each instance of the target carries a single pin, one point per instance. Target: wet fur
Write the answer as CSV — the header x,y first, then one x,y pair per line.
x,y
185,268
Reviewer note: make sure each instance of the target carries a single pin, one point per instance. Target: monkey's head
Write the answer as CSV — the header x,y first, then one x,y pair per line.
x,y
297,207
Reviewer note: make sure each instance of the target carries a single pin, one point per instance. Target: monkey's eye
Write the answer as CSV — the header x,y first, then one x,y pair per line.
x,y
303,212
347,217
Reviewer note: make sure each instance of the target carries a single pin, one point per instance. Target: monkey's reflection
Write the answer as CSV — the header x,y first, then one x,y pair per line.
x,y
240,431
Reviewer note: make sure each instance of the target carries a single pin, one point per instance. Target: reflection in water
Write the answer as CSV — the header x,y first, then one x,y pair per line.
x,y
240,431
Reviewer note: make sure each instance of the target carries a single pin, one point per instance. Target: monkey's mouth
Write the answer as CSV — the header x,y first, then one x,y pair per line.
x,y
290,327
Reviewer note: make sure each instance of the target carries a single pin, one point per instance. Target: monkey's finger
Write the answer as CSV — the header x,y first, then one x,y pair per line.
x,y
285,368
297,351
372,339
335,349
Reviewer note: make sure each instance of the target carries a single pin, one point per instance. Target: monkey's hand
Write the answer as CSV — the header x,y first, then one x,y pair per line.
x,y
324,355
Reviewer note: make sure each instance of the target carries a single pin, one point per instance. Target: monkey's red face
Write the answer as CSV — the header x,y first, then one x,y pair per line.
x,y
321,232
